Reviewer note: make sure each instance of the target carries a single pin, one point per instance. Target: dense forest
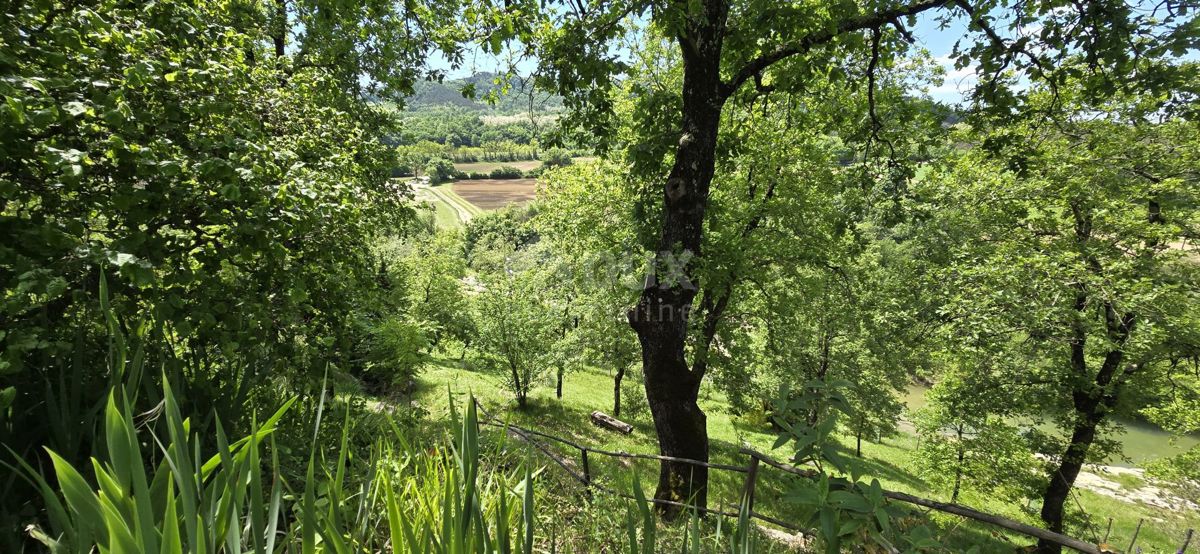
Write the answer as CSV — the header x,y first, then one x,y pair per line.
x,y
696,276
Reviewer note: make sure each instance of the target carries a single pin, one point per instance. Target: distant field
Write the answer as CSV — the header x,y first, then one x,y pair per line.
x,y
523,165
484,167
491,194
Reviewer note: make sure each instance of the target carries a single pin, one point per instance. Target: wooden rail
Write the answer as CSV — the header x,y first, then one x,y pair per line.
x,y
751,471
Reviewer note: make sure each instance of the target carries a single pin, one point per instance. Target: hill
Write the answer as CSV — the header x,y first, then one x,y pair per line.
x,y
450,93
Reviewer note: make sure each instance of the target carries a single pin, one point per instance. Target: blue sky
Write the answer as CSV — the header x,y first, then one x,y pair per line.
x,y
938,41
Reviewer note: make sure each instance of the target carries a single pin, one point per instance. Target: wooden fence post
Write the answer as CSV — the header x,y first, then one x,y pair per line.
x,y
751,477
587,472
1135,534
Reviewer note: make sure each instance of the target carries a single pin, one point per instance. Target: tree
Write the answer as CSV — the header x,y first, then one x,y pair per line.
x,y
218,163
1068,236
516,327
963,435
435,290
440,170
725,47
585,214
556,157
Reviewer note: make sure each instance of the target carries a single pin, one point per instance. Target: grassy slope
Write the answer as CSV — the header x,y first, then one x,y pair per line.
x,y
889,461
451,211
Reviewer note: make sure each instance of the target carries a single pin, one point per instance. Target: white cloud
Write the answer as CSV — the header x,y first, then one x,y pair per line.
x,y
957,83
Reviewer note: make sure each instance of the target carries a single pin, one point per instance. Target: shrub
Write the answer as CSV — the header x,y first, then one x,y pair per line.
x,y
396,350
633,396
556,157
478,175
506,172
233,499
440,170
402,170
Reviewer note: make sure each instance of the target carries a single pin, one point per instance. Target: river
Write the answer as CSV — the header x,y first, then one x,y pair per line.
x,y
1140,441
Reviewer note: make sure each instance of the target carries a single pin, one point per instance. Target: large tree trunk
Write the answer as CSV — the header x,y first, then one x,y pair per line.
x,y
1092,397
1062,479
660,318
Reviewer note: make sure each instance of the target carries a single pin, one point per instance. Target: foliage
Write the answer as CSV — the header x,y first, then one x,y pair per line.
x,y
556,157
516,326
396,349
231,196
506,172
964,439
436,290
440,170
498,231
843,511
1062,233
228,503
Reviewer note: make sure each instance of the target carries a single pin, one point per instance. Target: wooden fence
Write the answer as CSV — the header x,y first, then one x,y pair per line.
x,y
585,477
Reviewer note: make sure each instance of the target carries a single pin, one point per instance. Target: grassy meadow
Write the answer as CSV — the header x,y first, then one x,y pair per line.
x,y
890,460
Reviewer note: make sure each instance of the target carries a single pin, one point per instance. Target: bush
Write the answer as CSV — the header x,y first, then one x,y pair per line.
x,y
440,170
556,157
633,396
402,170
506,172
478,175
396,350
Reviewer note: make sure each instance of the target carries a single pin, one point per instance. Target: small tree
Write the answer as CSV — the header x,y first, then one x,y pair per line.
x,y
435,290
440,170
396,350
963,442
556,157
516,331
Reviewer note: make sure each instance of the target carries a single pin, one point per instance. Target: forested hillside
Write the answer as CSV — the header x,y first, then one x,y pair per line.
x,y
707,276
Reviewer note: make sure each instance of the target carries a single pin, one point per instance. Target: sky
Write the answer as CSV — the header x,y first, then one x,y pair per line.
x,y
939,42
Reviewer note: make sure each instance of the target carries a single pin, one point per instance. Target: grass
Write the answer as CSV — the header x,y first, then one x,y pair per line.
x,y
890,461
445,216
451,211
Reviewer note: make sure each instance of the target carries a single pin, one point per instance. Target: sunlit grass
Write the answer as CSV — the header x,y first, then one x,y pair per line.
x,y
890,461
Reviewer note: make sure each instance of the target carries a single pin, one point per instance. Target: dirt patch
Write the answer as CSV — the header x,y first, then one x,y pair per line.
x,y
491,194
1106,481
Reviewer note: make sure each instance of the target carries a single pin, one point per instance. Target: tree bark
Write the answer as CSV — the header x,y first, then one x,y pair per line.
x,y
660,317
617,391
1092,397
279,38
558,385
958,468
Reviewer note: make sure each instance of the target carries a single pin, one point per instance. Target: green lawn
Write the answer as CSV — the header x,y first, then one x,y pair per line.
x,y
451,211
890,461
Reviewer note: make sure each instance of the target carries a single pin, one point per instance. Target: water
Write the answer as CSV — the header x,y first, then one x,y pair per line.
x,y
1140,441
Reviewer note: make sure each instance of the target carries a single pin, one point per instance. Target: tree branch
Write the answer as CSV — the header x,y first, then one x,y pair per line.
x,y
869,21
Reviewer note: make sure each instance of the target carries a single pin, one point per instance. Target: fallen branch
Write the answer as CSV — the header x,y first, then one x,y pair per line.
x,y
604,420
956,509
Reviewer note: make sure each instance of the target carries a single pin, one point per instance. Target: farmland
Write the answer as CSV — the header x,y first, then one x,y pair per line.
x,y
491,194
485,167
